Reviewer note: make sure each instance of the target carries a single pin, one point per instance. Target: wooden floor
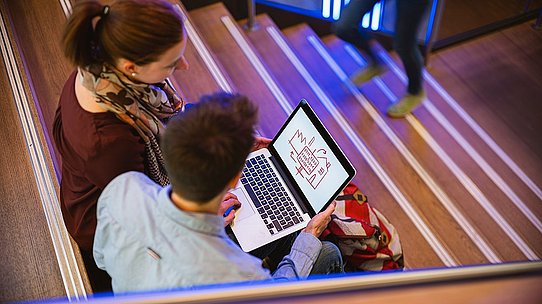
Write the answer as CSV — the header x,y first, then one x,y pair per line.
x,y
462,16
460,178
497,79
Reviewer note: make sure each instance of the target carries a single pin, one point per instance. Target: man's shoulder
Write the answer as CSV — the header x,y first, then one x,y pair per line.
x,y
129,189
132,180
131,177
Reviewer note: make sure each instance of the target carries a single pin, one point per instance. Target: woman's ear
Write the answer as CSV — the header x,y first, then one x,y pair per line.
x,y
127,67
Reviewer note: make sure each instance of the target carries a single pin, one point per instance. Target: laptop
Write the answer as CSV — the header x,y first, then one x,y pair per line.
x,y
283,186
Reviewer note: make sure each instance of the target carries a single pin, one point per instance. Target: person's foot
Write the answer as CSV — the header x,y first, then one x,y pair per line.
x,y
405,105
367,73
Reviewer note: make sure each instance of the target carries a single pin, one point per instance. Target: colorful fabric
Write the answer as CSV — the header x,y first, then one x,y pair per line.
x,y
367,240
142,106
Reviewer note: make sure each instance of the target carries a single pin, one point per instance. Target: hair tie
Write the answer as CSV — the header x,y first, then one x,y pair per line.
x,y
105,11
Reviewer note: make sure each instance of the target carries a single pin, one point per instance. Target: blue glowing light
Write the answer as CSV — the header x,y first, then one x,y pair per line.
x,y
375,20
366,20
326,8
336,9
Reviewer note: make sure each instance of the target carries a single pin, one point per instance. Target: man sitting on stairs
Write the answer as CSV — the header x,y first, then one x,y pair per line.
x,y
149,237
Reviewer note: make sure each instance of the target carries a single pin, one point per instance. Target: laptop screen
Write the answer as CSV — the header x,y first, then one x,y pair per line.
x,y
313,159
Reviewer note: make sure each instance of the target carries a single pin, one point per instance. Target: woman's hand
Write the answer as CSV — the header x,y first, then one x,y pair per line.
x,y
260,143
229,200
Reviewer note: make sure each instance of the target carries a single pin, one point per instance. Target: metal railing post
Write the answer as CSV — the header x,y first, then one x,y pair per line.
x,y
429,41
251,21
537,25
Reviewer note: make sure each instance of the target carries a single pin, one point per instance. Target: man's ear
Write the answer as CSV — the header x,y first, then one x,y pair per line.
x,y
234,181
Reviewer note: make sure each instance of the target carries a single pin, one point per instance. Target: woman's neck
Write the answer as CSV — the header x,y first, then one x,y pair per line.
x,y
86,99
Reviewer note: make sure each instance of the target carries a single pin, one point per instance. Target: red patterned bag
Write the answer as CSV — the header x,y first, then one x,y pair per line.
x,y
367,240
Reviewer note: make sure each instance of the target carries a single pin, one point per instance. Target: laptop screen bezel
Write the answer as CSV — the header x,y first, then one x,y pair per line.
x,y
343,160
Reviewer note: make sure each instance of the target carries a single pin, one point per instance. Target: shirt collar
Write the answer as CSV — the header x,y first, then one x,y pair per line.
x,y
201,222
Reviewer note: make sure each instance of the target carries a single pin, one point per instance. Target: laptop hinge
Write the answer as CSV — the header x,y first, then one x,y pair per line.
x,y
289,184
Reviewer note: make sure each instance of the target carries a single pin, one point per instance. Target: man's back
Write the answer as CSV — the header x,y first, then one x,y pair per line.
x,y
145,242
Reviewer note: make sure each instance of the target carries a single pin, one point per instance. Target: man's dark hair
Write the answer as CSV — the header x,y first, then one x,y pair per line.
x,y
205,147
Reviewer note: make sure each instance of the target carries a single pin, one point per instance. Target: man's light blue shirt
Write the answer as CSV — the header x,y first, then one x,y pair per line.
x,y
145,242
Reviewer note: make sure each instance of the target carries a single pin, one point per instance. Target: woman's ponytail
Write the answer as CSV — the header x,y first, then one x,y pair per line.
x,y
79,39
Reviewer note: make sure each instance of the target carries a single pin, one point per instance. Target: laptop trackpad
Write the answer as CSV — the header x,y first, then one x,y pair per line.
x,y
246,207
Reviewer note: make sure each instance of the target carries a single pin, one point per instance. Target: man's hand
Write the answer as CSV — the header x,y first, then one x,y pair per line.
x,y
260,143
319,222
229,200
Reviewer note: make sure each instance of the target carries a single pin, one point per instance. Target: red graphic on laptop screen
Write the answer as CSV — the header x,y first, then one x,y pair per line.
x,y
312,163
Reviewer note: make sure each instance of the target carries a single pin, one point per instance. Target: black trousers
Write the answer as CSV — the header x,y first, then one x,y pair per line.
x,y
100,281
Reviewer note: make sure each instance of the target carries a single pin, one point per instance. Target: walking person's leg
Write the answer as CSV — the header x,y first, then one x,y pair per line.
x,y
409,17
348,29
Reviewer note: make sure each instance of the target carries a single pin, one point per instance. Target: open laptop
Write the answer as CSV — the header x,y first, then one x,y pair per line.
x,y
284,186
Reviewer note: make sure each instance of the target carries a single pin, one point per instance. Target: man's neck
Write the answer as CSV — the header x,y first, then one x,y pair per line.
x,y
190,206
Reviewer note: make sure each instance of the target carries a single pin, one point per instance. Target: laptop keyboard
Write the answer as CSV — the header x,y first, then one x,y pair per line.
x,y
269,196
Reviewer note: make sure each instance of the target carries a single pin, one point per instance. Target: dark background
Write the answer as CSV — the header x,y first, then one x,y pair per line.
x,y
460,20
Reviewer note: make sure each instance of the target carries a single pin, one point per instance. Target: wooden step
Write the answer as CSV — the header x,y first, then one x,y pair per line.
x,y
205,69
508,113
211,21
296,85
197,80
484,205
29,262
43,259
38,34
508,198
290,80
424,201
506,83
486,156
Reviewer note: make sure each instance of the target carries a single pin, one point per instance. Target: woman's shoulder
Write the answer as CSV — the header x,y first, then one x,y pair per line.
x,y
68,91
75,98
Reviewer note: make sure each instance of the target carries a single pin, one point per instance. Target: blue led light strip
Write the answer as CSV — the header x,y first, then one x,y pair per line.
x,y
366,20
377,14
373,18
336,9
326,8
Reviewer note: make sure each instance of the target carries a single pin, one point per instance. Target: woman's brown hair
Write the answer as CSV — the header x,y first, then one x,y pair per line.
x,y
136,30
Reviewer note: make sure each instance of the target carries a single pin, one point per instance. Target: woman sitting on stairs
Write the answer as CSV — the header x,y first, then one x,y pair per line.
x,y
114,106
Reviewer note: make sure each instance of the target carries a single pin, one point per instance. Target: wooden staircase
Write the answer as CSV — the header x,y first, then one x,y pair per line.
x,y
37,256
450,193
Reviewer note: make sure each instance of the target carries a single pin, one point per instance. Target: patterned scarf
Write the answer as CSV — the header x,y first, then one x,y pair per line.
x,y
145,107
